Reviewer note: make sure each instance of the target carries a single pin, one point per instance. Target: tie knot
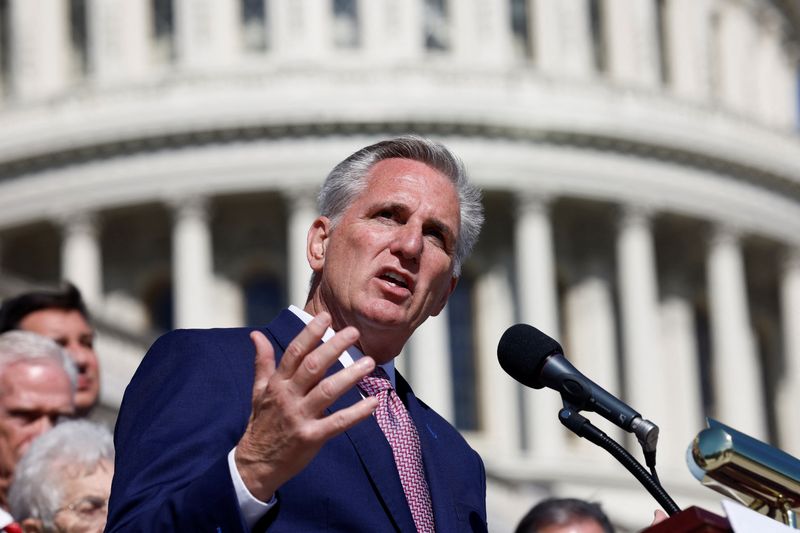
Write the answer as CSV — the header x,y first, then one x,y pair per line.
x,y
376,382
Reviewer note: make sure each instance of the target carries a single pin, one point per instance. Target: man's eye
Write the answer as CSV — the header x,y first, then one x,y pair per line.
x,y
436,235
24,418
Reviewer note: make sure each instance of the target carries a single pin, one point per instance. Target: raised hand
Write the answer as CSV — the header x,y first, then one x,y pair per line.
x,y
287,425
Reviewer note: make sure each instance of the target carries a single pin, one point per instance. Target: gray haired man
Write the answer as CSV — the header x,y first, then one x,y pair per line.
x,y
37,384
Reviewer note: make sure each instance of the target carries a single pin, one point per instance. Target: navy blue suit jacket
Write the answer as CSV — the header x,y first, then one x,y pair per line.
x,y
188,405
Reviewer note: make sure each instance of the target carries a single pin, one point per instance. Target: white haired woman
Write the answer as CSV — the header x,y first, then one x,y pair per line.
x,y
62,483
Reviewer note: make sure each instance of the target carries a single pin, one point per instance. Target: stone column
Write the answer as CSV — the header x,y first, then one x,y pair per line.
x,y
538,301
499,393
302,212
688,37
562,37
207,32
119,45
40,47
775,79
392,29
302,28
632,42
638,297
431,374
192,263
590,333
736,55
81,261
684,419
736,373
788,397
481,31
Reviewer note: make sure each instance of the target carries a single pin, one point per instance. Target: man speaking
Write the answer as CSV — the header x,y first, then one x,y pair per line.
x,y
304,425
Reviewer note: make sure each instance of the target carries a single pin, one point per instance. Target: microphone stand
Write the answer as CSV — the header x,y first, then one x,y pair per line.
x,y
579,425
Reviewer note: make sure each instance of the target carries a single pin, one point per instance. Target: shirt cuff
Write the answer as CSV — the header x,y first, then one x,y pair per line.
x,y
251,508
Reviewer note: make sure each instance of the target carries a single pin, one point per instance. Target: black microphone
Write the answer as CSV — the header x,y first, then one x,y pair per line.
x,y
537,360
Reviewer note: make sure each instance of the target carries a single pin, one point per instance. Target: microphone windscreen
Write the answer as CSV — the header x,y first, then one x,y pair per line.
x,y
522,351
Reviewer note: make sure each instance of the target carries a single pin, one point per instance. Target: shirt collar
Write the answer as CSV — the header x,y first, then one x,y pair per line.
x,y
349,356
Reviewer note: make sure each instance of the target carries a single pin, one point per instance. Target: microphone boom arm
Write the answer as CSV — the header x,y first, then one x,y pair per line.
x,y
579,425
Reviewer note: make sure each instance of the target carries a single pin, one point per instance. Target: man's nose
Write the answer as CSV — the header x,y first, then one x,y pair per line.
x,y
408,241
44,424
79,355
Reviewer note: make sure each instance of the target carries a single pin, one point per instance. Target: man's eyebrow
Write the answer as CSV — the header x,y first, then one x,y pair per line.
x,y
446,230
434,223
389,204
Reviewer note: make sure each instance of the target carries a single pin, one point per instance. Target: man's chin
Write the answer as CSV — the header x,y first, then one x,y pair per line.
x,y
86,400
386,314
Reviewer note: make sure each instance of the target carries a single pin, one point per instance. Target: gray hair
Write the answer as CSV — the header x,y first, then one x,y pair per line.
x,y
349,179
16,346
39,478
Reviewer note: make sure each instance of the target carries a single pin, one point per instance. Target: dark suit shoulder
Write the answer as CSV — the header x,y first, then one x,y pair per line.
x,y
184,410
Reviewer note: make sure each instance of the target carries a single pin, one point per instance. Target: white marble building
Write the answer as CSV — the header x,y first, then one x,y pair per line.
x,y
641,169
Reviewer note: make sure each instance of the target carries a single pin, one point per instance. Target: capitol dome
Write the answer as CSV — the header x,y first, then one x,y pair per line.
x,y
640,164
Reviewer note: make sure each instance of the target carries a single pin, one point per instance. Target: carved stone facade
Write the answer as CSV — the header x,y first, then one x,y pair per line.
x,y
640,164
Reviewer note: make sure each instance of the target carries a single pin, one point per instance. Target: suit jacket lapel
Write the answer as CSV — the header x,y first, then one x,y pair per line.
x,y
434,458
367,439
284,328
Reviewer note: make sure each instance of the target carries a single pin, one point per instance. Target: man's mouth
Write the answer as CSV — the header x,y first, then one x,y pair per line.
x,y
395,279
83,382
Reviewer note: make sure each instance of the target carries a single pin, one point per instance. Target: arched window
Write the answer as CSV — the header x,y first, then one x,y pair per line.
x,y
254,23
160,304
5,44
461,321
79,37
437,25
345,24
521,33
597,25
662,31
264,297
163,30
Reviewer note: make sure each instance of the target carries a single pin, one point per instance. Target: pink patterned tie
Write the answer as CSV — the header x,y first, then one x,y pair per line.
x,y
396,424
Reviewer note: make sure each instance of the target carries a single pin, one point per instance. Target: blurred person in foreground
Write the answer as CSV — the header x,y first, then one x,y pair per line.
x,y
37,383
565,515
60,315
272,429
63,481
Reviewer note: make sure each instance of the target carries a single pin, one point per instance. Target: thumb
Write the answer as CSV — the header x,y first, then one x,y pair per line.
x,y
658,516
264,362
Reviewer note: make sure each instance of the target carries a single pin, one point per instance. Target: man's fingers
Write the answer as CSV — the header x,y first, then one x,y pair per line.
x,y
265,362
344,419
305,342
315,365
329,389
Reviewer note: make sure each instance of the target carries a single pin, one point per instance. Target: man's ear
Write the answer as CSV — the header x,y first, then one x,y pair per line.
x,y
317,242
446,296
32,525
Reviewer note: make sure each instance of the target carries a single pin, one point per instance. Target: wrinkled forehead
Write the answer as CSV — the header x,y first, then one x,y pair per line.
x,y
32,376
83,472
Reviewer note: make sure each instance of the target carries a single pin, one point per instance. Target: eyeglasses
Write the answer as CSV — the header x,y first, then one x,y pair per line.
x,y
88,509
